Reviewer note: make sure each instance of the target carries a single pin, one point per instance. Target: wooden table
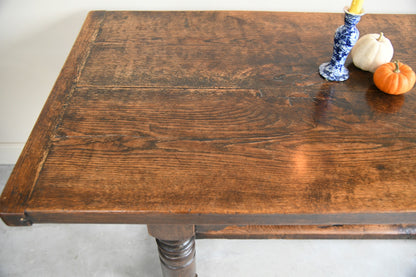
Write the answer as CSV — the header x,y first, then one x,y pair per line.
x,y
218,125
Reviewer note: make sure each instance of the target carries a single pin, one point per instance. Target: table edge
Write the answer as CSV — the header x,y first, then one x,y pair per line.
x,y
128,217
19,187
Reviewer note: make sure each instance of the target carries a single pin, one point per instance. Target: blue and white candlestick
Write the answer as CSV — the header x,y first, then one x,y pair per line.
x,y
345,38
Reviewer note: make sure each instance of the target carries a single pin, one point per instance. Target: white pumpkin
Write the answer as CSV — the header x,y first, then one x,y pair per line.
x,y
371,51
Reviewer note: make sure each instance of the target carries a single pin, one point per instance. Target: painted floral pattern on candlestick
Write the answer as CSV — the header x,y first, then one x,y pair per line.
x,y
345,38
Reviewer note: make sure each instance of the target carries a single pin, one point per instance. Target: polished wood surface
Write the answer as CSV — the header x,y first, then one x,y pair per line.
x,y
218,118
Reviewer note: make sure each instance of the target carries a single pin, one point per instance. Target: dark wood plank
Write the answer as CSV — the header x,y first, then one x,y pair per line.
x,y
230,124
307,232
206,27
225,49
199,49
198,152
320,111
189,180
26,171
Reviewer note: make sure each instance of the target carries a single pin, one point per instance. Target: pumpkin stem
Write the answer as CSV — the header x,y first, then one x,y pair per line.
x,y
381,36
397,69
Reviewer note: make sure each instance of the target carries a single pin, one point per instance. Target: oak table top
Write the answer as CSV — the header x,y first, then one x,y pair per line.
x,y
218,118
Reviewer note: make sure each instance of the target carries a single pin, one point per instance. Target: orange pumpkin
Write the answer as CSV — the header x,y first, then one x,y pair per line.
x,y
394,78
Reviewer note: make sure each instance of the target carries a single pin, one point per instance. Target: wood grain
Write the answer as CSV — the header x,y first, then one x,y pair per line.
x,y
199,49
199,152
22,180
220,118
337,231
225,49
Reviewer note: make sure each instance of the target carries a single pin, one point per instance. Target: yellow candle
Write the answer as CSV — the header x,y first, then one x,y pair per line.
x,y
356,6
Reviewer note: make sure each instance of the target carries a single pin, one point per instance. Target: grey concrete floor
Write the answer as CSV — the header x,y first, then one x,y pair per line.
x,y
127,250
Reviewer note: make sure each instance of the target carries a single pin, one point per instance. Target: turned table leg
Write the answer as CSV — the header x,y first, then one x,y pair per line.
x,y
176,246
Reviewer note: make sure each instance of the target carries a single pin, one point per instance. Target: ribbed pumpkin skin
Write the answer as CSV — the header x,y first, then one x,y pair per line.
x,y
371,51
389,81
